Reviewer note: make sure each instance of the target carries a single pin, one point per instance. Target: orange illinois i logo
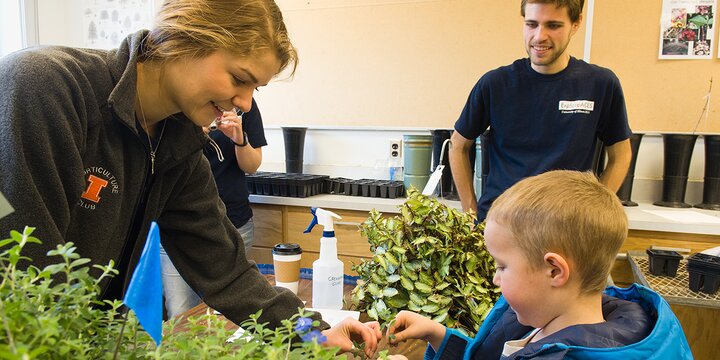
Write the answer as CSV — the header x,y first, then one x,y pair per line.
x,y
101,183
92,193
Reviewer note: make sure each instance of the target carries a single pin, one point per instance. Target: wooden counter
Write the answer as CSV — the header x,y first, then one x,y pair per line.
x,y
283,219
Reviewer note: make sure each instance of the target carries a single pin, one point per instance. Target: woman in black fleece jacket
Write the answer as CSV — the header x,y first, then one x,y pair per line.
x,y
96,144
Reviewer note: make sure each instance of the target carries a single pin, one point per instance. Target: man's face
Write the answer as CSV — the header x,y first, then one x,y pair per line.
x,y
547,32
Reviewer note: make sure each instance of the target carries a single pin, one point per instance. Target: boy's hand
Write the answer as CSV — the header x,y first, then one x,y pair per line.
x,y
397,357
409,325
343,334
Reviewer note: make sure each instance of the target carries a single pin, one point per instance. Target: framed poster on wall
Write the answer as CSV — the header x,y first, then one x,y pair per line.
x,y
686,29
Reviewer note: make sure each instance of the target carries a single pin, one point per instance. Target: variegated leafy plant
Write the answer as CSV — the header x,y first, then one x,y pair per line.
x,y
430,259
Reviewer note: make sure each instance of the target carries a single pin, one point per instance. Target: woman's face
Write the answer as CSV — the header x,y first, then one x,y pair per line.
x,y
203,88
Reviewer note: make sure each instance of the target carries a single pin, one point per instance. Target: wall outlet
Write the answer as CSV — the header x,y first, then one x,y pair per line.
x,y
395,149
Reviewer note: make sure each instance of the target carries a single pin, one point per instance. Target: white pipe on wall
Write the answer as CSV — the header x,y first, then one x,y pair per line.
x,y
589,29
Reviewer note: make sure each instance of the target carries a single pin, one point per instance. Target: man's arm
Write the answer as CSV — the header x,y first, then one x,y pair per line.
x,y
619,158
248,158
462,171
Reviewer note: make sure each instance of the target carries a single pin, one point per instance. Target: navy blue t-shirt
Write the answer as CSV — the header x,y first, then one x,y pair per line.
x,y
542,122
230,179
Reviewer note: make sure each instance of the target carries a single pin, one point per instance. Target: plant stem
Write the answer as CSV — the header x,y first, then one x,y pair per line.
x,y
11,342
705,107
119,341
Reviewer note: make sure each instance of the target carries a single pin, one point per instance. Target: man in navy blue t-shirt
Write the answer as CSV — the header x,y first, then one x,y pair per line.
x,y
544,112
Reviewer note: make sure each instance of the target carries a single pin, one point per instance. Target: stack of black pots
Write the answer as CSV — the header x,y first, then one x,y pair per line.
x,y
294,138
678,149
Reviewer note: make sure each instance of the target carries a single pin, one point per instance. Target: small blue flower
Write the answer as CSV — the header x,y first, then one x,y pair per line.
x,y
303,325
314,335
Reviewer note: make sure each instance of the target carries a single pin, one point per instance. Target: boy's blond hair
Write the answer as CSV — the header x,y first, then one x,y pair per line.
x,y
569,213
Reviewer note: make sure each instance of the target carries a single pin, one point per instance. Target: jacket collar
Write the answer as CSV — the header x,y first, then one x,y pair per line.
x,y
122,63
181,137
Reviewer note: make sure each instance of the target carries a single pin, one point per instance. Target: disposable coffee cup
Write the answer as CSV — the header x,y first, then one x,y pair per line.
x,y
286,258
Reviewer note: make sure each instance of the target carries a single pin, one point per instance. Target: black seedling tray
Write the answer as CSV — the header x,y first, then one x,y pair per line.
x,y
304,185
663,262
704,273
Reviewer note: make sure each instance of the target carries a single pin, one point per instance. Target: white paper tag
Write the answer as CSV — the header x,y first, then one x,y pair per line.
x,y
5,207
433,181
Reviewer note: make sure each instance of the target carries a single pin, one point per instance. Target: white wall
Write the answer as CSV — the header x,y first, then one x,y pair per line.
x,y
376,68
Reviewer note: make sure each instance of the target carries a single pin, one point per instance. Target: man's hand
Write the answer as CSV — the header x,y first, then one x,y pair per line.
x,y
343,334
230,123
409,325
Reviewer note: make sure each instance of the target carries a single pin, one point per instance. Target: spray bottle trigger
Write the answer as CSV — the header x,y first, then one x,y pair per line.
x,y
313,222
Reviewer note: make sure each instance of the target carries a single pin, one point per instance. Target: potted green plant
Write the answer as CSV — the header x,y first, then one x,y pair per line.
x,y
54,313
430,259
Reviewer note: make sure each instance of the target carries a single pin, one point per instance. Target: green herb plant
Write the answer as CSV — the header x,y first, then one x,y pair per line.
x,y
430,259
54,313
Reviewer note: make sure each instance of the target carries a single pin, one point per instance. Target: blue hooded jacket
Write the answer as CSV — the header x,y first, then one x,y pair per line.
x,y
639,324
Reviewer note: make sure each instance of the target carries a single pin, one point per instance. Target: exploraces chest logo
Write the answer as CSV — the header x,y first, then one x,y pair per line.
x,y
577,106
100,182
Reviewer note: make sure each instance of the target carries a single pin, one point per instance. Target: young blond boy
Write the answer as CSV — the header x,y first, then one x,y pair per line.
x,y
554,238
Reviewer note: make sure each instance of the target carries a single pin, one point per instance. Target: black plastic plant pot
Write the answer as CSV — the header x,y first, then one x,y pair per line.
x,y
663,262
396,189
625,191
678,150
327,187
704,273
711,183
250,183
340,186
277,182
294,138
262,186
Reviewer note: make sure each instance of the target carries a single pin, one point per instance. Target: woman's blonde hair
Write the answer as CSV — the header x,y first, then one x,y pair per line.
x,y
197,28
569,213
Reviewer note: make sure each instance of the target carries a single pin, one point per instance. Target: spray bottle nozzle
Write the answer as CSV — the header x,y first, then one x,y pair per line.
x,y
322,217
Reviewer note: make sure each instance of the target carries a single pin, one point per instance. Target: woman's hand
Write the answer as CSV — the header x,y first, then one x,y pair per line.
x,y
343,334
409,325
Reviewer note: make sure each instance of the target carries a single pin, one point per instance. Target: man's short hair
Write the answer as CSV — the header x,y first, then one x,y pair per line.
x,y
566,212
574,7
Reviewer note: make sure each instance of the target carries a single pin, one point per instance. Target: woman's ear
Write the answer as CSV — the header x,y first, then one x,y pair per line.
x,y
559,269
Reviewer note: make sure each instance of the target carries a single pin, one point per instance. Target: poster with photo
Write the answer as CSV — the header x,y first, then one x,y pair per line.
x,y
108,22
686,29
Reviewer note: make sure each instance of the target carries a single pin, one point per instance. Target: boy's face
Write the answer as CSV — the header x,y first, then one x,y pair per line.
x,y
548,30
523,287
